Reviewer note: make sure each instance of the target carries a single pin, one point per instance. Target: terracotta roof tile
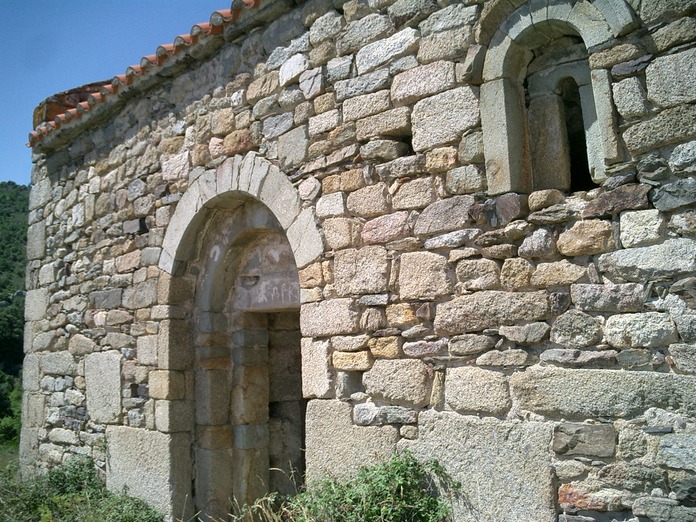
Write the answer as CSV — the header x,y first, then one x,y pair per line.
x,y
64,108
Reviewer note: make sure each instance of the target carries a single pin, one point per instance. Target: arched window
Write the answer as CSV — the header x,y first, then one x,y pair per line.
x,y
547,118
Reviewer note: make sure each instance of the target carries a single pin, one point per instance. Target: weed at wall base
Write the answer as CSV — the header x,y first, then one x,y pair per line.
x,y
399,490
72,492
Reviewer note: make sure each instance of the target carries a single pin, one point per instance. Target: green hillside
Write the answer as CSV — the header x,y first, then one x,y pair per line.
x,y
14,203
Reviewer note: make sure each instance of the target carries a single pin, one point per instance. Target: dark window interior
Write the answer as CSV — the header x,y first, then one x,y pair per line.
x,y
580,178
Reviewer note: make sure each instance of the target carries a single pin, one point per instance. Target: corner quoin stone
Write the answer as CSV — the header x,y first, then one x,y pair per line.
x,y
145,462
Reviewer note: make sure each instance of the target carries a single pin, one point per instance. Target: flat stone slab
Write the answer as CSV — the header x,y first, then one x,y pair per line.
x,y
678,450
671,258
580,394
146,462
504,467
488,309
338,449
103,380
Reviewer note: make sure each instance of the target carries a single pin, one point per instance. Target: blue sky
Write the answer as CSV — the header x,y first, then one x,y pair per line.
x,y
53,46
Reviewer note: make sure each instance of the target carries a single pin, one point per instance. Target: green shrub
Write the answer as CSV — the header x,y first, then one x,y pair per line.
x,y
400,490
10,408
72,492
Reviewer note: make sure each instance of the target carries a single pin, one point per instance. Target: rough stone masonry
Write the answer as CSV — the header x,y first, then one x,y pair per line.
x,y
310,234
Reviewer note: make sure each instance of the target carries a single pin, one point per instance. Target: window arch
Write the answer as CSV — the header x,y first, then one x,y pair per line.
x,y
540,100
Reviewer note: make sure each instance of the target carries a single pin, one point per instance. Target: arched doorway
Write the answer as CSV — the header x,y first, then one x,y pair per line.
x,y
247,365
232,250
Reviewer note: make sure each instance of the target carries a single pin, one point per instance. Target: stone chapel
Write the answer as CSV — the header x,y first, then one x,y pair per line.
x,y
309,234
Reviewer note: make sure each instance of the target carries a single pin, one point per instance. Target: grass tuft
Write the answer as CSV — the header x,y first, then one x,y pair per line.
x,y
400,490
73,492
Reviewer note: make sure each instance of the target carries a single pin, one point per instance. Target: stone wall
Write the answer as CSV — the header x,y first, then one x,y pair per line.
x,y
540,343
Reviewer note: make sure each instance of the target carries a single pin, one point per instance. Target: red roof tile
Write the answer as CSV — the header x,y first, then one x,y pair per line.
x,y
63,108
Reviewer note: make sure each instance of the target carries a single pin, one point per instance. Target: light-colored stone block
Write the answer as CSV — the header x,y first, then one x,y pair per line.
x,y
325,27
474,390
647,330
592,236
361,271
670,79
103,383
382,51
292,147
669,126
548,142
324,122
364,84
608,298
418,193
465,180
443,118
342,313
662,261
478,274
508,169
153,466
601,393
317,375
338,449
370,201
575,329
352,361
359,33
36,241
386,228
444,215
420,82
394,122
386,347
58,363
36,304
167,384
678,450
641,227
488,309
505,467
146,349
366,105
292,69
446,45
33,410
423,275
341,232
630,98
305,239
516,273
175,345
331,205
174,416
401,382
558,273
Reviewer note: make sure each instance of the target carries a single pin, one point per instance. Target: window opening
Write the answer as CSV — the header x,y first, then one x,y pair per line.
x,y
556,130
557,126
580,178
